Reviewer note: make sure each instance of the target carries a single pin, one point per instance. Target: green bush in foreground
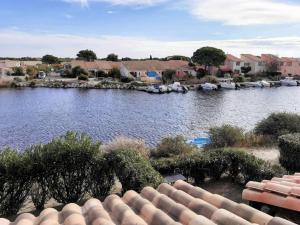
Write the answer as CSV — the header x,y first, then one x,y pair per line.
x,y
133,170
15,181
226,136
68,160
290,151
278,124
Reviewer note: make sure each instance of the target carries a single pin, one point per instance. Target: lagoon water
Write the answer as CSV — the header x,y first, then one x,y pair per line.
x,y
30,116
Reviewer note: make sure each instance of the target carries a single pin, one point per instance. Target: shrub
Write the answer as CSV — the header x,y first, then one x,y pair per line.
x,y
133,170
39,172
290,151
278,124
225,136
170,146
234,163
253,140
209,79
83,77
102,177
14,181
69,161
137,145
239,79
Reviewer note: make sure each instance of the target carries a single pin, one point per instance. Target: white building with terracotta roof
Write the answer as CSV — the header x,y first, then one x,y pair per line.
x,y
255,62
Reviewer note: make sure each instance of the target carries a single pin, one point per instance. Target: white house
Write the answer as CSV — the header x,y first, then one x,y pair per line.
x,y
255,62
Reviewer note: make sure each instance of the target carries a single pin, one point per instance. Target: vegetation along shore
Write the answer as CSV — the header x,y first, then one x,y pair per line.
x,y
73,167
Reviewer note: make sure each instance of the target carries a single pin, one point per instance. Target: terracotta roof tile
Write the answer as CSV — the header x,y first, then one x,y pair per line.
x,y
181,204
281,192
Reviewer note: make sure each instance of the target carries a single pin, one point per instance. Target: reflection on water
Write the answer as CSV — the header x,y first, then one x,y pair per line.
x,y
29,116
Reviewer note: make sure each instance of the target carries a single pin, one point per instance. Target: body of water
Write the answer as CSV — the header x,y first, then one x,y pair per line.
x,y
31,116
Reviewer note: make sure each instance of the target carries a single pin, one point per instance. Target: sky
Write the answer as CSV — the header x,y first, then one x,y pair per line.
x,y
140,28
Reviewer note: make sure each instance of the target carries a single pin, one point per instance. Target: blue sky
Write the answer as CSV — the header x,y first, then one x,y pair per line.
x,y
138,28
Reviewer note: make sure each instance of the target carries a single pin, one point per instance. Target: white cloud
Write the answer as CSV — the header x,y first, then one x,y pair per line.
x,y
68,16
245,12
15,43
136,3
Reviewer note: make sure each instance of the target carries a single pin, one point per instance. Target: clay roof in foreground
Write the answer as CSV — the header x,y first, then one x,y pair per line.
x,y
282,192
168,205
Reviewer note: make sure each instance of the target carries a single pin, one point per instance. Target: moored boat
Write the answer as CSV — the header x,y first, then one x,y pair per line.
x,y
265,83
208,87
228,85
289,81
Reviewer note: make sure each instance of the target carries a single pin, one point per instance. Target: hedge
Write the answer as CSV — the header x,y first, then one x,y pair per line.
x,y
67,169
15,183
278,124
133,170
234,163
290,151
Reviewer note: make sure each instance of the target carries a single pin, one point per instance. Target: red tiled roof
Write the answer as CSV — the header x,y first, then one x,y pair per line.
x,y
180,204
232,58
281,192
155,65
95,65
250,57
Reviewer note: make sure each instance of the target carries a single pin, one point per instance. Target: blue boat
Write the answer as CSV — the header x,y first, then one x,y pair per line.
x,y
200,142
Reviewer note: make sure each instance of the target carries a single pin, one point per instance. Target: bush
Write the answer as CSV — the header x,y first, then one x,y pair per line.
x,y
102,177
133,170
253,140
226,136
239,79
83,77
233,163
69,161
39,172
15,181
137,145
209,79
290,151
278,124
170,146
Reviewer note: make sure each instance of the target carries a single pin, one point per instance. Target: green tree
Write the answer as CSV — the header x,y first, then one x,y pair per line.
x,y
50,59
114,73
168,76
32,71
18,71
87,55
77,71
112,57
209,56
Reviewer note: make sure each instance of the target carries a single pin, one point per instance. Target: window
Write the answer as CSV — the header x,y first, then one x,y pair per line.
x,y
289,63
238,63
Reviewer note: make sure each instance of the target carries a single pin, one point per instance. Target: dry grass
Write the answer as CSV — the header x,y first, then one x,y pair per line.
x,y
133,144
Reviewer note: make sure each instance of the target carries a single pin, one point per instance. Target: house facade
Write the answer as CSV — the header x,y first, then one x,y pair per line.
x,y
290,66
151,71
255,62
234,64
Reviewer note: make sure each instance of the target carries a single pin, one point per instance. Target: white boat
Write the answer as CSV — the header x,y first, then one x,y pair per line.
x,y
177,87
265,83
152,89
163,89
228,85
209,86
289,81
